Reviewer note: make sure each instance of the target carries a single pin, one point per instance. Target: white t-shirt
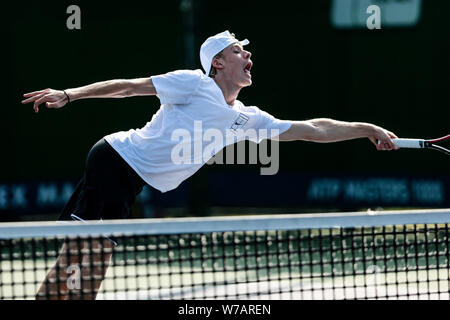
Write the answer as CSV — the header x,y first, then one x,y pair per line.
x,y
193,123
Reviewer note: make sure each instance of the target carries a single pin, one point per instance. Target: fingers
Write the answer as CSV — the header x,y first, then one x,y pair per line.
x,y
392,135
380,145
40,101
383,139
34,98
385,144
26,95
51,98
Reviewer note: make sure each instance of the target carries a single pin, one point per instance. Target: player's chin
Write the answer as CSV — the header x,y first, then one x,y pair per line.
x,y
247,82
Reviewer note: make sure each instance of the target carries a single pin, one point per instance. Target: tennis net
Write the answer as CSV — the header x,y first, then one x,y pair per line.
x,y
360,255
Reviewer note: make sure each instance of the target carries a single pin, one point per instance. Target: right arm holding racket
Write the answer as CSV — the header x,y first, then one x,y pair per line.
x,y
120,88
329,130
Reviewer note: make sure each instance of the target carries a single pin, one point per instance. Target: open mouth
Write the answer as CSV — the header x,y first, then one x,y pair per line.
x,y
248,67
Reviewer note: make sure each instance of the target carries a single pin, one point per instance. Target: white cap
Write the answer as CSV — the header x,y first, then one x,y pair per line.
x,y
213,45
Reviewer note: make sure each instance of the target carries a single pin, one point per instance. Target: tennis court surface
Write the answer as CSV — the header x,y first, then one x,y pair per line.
x,y
360,255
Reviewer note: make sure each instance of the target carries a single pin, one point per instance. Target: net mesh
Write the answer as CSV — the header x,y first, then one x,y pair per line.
x,y
407,261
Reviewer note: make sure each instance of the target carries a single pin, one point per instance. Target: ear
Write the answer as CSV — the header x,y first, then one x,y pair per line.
x,y
218,63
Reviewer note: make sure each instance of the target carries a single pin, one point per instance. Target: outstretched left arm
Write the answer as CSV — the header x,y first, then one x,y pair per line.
x,y
329,130
118,88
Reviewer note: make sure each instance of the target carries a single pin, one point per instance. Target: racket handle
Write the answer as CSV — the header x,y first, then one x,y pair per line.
x,y
409,143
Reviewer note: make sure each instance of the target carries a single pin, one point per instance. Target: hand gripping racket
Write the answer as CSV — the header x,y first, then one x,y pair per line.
x,y
423,144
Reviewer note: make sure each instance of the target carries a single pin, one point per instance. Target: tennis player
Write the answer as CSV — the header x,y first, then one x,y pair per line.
x,y
121,164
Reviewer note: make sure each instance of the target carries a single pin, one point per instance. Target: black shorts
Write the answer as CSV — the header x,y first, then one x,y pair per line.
x,y
108,188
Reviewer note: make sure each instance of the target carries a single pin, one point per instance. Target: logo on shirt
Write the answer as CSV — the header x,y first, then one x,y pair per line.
x,y
240,121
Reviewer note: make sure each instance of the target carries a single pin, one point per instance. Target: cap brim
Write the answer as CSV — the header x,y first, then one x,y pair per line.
x,y
244,42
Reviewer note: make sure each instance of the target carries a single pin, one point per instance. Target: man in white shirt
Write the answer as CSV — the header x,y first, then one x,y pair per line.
x,y
120,164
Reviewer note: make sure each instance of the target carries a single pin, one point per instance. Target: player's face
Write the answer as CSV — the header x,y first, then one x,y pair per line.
x,y
237,65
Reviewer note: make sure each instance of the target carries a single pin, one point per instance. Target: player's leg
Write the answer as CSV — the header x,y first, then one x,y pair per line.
x,y
78,272
95,260
54,287
107,191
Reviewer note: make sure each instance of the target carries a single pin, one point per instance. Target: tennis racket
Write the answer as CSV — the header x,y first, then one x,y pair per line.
x,y
423,144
